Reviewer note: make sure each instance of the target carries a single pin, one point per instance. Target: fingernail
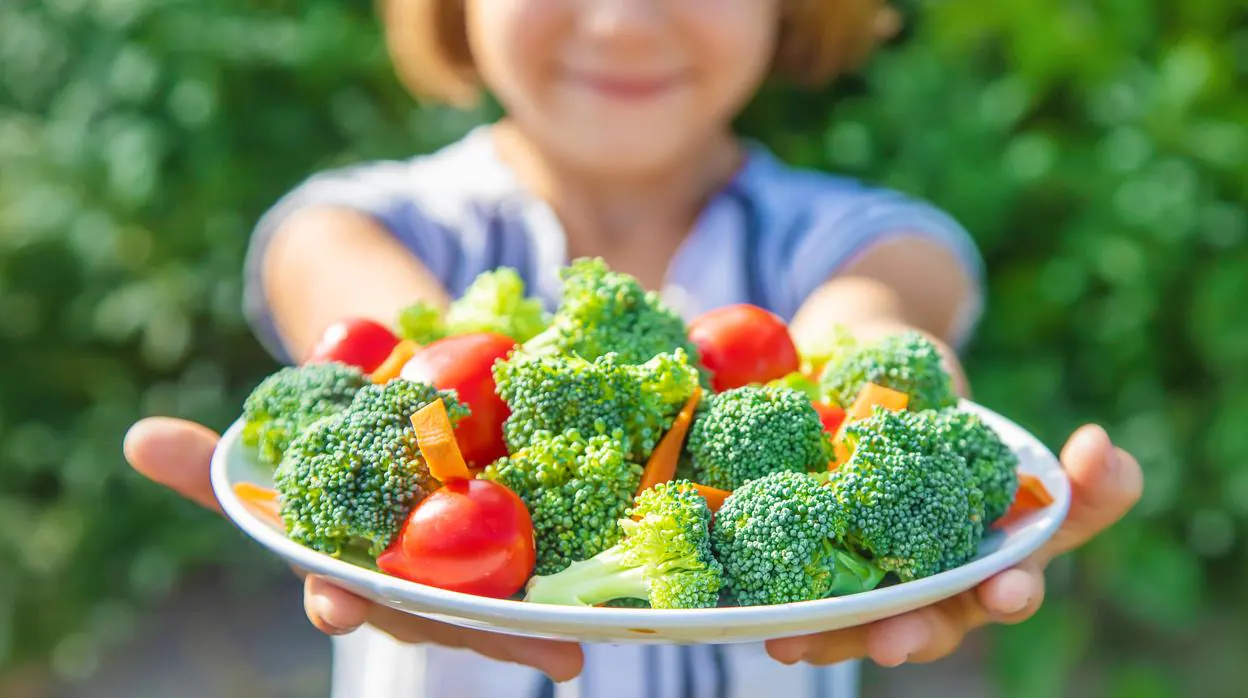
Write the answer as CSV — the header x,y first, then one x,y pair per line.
x,y
1013,608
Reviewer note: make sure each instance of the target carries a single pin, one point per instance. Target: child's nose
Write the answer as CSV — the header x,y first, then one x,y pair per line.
x,y
622,19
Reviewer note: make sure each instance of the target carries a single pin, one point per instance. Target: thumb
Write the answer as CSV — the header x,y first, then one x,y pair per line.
x,y
1105,481
174,453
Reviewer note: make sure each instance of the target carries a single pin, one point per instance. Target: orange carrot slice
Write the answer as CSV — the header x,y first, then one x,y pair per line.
x,y
661,467
1032,495
436,437
713,495
393,365
261,501
870,397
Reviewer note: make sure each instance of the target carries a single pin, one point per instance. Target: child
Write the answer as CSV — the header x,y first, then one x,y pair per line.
x,y
617,143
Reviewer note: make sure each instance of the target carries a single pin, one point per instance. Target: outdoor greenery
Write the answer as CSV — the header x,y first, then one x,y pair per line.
x,y
1097,149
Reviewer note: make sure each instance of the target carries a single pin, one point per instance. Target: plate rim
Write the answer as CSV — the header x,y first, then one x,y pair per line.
x,y
514,612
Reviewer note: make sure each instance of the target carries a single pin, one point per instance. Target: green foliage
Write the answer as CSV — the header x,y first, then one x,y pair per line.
x,y
777,539
576,489
663,558
748,432
1095,150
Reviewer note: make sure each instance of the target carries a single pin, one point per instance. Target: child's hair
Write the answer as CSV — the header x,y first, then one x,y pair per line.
x,y
817,41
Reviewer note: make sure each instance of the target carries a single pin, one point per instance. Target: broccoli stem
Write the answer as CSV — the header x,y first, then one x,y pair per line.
x,y
600,579
854,574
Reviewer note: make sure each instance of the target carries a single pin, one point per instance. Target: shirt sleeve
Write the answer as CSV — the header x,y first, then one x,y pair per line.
x,y
843,227
382,191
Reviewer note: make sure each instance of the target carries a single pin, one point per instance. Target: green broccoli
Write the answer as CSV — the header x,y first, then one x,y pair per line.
x,y
663,558
778,541
290,400
603,312
402,398
347,483
575,489
906,500
494,302
906,362
604,396
993,466
748,432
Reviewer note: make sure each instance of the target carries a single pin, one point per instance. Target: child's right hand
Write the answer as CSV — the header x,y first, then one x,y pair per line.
x,y
177,454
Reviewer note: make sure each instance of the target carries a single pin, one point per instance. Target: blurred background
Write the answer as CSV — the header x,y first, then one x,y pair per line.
x,y
1097,149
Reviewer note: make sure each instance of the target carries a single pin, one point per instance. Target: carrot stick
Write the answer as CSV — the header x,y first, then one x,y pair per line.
x,y
871,396
436,437
661,467
261,501
713,495
1032,495
393,365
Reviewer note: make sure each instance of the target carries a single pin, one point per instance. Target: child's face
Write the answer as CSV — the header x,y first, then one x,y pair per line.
x,y
622,85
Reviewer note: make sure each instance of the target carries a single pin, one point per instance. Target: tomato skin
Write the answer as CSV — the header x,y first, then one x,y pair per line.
x,y
744,344
464,363
357,342
470,536
831,416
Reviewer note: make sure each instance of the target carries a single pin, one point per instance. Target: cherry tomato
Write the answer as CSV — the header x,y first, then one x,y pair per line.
x,y
355,341
831,416
470,536
744,344
464,363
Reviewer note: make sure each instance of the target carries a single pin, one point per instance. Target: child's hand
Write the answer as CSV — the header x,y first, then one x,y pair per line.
x,y
177,455
1106,483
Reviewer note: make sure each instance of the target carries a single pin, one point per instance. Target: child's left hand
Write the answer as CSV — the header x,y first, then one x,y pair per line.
x,y
1106,483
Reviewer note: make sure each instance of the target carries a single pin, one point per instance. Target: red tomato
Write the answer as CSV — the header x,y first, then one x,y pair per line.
x,y
464,364
470,536
744,344
831,416
355,341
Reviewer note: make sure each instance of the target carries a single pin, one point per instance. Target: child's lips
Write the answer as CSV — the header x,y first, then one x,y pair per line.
x,y
628,88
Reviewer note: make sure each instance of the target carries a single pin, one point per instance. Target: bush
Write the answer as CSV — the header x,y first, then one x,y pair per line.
x,y
1095,149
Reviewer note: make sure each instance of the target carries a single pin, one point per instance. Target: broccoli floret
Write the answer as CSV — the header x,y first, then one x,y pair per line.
x,y
906,500
575,489
604,311
833,345
402,398
748,432
906,362
664,558
778,541
347,483
993,466
494,302
421,323
290,400
604,396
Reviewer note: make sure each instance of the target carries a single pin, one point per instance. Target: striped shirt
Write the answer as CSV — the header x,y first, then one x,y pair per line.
x,y
770,237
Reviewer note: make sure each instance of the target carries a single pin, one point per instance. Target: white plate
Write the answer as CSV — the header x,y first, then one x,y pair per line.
x,y
233,464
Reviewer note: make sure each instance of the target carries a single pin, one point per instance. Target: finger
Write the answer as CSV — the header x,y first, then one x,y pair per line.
x,y
332,609
336,611
174,453
1106,482
1014,595
927,634
821,649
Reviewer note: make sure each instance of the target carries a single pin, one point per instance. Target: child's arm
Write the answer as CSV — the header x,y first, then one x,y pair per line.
x,y
325,264
903,284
